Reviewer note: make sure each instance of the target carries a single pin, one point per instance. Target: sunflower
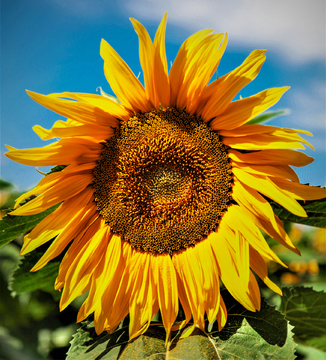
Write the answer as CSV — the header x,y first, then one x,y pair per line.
x,y
166,188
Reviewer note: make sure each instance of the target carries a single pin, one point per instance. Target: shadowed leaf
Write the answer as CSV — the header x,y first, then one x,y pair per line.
x,y
13,226
316,211
305,308
23,280
238,340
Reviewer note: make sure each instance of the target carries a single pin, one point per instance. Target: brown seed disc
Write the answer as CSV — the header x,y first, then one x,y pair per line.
x,y
163,181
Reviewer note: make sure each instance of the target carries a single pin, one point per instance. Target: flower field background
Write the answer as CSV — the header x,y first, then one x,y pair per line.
x,y
294,326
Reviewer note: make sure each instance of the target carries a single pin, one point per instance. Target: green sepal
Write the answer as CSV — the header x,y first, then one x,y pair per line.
x,y
268,116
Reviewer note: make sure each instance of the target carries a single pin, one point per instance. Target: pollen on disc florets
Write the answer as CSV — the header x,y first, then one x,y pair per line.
x,y
163,180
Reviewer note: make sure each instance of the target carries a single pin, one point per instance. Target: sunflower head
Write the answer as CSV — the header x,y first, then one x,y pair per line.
x,y
167,187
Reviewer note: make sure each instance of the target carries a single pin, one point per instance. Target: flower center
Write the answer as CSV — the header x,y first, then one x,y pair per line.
x,y
163,181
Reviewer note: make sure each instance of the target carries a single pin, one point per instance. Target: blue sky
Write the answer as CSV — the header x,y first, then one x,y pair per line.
x,y
53,46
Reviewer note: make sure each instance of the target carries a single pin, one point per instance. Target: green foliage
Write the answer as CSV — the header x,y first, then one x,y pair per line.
x,y
267,116
4,185
305,308
56,169
25,281
268,322
12,226
247,335
316,211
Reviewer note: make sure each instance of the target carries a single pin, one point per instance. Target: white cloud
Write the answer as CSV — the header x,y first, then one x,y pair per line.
x,y
309,105
296,28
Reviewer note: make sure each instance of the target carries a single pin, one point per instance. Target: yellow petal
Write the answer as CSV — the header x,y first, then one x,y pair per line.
x,y
262,142
79,111
229,271
63,152
225,88
78,223
84,264
250,233
54,223
259,266
66,189
245,130
181,65
261,213
221,315
272,157
122,80
241,111
161,77
280,171
266,187
205,68
300,191
167,291
254,292
106,103
187,269
146,56
63,129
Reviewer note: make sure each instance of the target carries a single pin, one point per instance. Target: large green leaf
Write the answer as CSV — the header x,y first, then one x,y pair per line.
x,y
86,344
305,308
245,343
25,281
247,335
316,211
13,226
268,322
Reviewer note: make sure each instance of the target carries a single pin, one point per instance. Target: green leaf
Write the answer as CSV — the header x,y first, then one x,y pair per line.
x,y
268,322
309,353
4,185
318,343
12,226
247,335
25,281
316,211
268,116
244,344
87,345
305,308
247,344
